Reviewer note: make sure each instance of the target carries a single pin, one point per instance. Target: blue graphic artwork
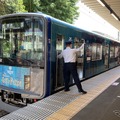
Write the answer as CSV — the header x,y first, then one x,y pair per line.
x,y
13,77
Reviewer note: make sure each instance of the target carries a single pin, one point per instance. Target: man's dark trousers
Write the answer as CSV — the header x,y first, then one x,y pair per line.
x,y
71,68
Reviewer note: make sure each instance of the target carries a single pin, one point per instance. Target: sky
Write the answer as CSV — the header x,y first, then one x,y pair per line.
x,y
90,21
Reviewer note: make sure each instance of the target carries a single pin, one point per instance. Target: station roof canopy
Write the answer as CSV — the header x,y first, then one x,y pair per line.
x,y
108,10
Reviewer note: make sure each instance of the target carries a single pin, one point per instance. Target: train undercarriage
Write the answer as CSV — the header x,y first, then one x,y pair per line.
x,y
15,98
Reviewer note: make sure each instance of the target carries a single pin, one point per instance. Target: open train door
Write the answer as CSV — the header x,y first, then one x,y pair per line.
x,y
59,82
80,57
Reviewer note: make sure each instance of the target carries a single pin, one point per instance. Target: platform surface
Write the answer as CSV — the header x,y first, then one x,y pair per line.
x,y
100,103
105,107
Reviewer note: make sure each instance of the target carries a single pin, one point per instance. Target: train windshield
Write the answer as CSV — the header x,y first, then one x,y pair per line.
x,y
22,41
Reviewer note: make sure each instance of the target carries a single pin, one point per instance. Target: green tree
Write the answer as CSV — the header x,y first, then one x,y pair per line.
x,y
31,5
11,6
65,10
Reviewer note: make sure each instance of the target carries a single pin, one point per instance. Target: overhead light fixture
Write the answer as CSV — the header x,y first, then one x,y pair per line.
x,y
114,16
104,4
101,3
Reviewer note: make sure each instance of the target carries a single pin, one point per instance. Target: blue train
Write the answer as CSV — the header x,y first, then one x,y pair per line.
x,y
29,45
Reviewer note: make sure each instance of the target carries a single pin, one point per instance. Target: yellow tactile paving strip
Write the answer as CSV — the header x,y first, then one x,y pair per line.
x,y
65,105
78,104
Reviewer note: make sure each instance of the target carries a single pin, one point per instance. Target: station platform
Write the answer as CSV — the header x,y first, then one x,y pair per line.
x,y
102,102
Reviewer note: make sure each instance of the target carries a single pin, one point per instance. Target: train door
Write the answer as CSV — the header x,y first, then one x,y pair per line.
x,y
80,57
59,82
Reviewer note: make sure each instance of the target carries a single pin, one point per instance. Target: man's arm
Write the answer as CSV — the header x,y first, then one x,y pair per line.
x,y
81,47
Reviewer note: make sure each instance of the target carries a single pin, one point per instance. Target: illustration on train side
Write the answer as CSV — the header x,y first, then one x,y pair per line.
x,y
29,45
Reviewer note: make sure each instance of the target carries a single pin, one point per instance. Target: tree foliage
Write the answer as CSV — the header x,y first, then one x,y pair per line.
x,y
65,10
31,5
11,6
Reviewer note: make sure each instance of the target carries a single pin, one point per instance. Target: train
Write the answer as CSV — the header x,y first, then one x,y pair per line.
x,y
29,45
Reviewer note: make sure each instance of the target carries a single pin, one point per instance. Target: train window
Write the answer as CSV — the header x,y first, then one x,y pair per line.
x,y
76,42
23,37
89,52
93,51
116,51
99,52
112,51
96,51
106,49
59,44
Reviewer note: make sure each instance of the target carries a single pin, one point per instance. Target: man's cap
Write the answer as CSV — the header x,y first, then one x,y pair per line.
x,y
68,42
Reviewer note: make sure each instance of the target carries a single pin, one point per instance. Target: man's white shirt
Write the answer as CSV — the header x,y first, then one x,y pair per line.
x,y
69,54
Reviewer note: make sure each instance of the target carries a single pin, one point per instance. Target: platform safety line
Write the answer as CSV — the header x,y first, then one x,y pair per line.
x,y
79,103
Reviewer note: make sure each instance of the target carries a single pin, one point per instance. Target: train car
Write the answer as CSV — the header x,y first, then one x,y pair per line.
x,y
29,45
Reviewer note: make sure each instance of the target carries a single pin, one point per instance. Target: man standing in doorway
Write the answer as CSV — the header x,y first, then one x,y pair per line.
x,y
70,66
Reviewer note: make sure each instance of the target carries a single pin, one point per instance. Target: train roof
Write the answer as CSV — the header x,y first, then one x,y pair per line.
x,y
57,21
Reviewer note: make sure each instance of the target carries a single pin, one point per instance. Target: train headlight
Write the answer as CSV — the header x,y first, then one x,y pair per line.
x,y
27,82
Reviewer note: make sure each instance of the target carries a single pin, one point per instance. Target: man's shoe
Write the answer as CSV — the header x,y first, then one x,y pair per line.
x,y
66,90
82,91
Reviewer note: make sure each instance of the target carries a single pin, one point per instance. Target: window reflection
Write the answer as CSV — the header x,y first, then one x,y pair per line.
x,y
116,51
112,52
96,51
89,52
23,38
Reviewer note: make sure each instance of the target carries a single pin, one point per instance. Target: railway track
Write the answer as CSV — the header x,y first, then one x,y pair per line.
x,y
3,113
6,108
